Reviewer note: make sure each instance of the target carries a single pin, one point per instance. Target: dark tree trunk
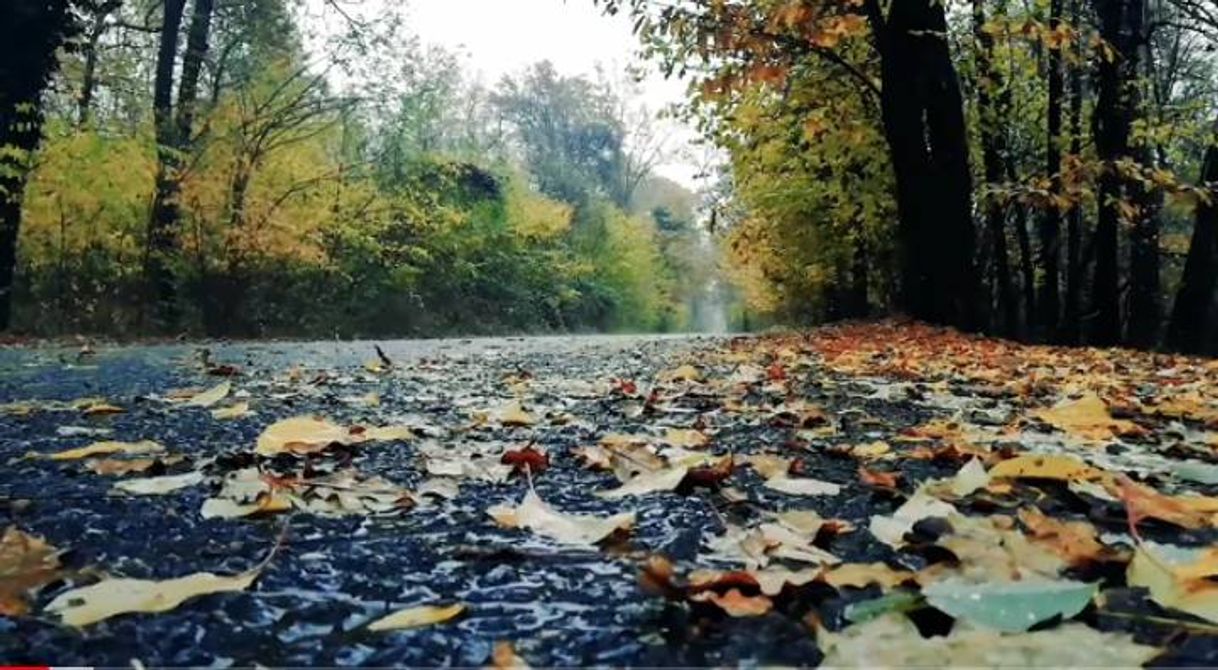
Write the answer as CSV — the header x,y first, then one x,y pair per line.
x,y
860,266
991,104
1074,224
1192,317
1120,25
1050,222
162,233
1027,265
30,35
923,115
174,138
1145,286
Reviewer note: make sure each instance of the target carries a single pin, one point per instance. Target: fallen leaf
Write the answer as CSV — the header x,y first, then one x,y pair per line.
x,y
155,486
802,486
971,477
1076,542
27,563
891,530
688,438
504,657
1178,578
734,603
513,414
101,408
534,514
879,479
111,597
211,396
1044,466
1009,607
893,641
236,411
104,448
300,435
1087,418
648,482
417,617
860,575
119,466
687,373
526,459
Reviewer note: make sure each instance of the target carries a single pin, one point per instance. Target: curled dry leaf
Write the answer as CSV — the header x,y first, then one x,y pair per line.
x,y
417,617
27,563
534,514
112,597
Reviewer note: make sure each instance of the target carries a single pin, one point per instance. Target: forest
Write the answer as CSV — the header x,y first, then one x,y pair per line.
x,y
192,168
1042,170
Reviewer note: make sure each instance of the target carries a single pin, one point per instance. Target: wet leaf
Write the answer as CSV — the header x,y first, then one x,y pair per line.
x,y
894,641
1009,607
534,514
106,448
27,563
111,597
211,396
1087,418
417,617
155,486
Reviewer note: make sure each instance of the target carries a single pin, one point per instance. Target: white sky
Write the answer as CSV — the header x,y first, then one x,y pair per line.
x,y
505,36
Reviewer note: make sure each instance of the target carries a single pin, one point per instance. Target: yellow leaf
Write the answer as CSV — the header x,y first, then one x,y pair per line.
x,y
1044,466
300,435
211,396
1177,578
512,414
107,447
690,438
1087,418
860,575
232,411
111,597
417,617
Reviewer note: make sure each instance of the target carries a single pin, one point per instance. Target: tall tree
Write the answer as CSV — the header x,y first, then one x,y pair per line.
x,y
30,34
173,137
1192,314
1120,23
1050,224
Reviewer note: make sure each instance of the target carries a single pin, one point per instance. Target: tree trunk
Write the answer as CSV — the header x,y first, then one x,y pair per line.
x,y
992,111
1145,286
1120,24
1070,333
923,116
162,233
1192,314
1050,222
30,35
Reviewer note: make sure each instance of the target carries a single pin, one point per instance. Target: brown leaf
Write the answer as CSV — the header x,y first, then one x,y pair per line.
x,y
27,563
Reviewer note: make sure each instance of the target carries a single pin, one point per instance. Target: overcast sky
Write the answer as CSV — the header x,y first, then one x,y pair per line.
x,y
504,36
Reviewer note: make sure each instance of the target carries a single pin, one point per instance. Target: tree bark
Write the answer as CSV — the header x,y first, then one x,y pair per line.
x,y
30,35
1120,25
992,111
1050,222
1192,314
162,236
923,117
1070,332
